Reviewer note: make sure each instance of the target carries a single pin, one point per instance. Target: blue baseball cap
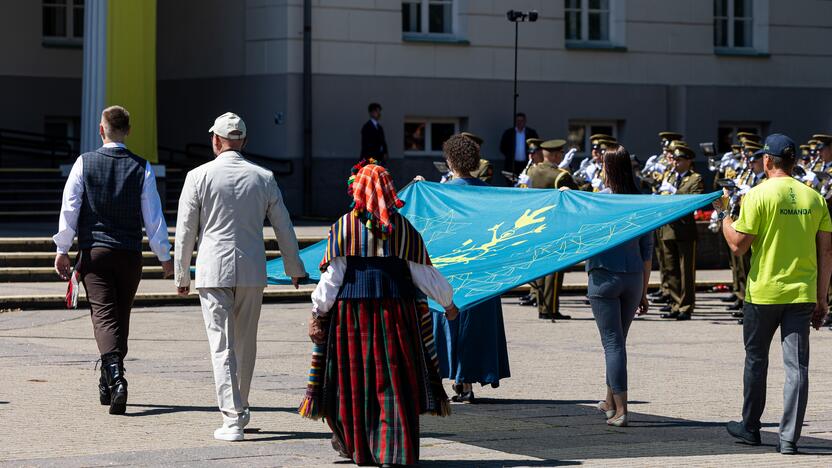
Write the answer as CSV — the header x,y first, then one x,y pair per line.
x,y
778,145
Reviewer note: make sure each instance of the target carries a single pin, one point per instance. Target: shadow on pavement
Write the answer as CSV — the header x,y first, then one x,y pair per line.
x,y
153,410
496,463
253,435
554,430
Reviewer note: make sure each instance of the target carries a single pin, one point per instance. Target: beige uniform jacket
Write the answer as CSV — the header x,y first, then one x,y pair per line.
x,y
223,204
683,229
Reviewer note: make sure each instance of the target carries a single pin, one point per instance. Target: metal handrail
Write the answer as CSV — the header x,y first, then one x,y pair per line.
x,y
23,143
62,149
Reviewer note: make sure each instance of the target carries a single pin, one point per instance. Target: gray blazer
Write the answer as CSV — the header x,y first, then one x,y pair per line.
x,y
224,203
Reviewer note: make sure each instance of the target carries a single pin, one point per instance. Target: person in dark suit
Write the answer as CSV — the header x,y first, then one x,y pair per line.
x,y
513,144
373,143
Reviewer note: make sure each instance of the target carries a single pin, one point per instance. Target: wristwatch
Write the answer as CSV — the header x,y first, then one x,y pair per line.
x,y
316,315
720,215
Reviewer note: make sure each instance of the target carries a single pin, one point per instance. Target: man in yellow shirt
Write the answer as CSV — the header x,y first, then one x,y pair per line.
x,y
787,226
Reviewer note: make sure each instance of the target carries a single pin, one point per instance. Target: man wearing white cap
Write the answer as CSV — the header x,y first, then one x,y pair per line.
x,y
223,203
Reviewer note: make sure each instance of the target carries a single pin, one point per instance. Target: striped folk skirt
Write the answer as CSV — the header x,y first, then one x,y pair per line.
x,y
380,375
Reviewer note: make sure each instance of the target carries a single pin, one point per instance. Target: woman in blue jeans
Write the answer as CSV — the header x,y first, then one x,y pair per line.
x,y
617,290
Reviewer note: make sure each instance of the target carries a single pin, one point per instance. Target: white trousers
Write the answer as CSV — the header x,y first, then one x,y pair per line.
x,y
231,316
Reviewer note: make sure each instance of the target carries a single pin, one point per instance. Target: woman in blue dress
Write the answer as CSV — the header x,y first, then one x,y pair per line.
x,y
471,349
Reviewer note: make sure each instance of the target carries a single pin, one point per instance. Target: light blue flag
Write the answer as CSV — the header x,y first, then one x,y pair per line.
x,y
489,240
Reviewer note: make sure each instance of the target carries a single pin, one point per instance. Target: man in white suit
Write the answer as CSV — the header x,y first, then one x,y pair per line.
x,y
224,203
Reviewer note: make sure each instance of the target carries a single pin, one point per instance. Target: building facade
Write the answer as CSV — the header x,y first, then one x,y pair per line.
x,y
630,67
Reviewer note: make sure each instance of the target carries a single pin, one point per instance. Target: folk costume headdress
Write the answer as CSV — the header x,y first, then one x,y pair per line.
x,y
373,195
374,228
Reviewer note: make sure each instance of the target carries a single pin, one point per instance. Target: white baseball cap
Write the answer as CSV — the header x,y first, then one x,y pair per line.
x,y
229,126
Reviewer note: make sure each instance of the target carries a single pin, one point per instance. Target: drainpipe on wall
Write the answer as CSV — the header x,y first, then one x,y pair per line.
x,y
307,107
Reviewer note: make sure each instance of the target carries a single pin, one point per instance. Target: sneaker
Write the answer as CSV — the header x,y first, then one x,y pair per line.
x,y
738,430
229,433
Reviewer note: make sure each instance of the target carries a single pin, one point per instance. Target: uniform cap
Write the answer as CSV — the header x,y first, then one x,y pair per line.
x,y
743,136
601,136
675,143
750,145
553,145
229,126
670,136
823,138
683,151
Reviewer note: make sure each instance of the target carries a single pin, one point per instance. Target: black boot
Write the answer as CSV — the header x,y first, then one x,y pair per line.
x,y
114,370
103,389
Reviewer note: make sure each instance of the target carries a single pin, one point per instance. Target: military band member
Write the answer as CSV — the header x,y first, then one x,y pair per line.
x,y
484,172
822,145
679,237
535,157
590,176
663,166
751,174
548,175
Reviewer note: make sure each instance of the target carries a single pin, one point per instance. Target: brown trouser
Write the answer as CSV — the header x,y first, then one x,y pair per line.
x,y
111,278
680,258
658,245
547,290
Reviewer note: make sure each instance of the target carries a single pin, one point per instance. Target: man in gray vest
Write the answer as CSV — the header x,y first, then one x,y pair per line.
x,y
224,203
109,194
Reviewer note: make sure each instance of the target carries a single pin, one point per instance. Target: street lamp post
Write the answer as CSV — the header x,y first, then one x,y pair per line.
x,y
518,17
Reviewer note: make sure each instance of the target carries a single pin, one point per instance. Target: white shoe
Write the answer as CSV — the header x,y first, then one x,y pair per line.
x,y
232,433
608,413
245,418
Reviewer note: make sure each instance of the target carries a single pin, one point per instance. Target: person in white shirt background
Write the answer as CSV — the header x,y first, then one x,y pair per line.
x,y
109,194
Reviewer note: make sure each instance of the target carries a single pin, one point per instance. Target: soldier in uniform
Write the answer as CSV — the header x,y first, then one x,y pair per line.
x,y
535,157
591,169
822,146
664,166
484,172
547,174
679,237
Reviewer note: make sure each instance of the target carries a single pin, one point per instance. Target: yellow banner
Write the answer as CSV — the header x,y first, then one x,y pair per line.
x,y
131,70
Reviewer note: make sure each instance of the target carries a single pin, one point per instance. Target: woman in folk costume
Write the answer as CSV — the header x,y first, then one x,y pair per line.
x,y
374,366
473,348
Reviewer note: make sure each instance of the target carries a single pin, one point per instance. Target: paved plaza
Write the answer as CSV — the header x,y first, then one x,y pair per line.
x,y
685,383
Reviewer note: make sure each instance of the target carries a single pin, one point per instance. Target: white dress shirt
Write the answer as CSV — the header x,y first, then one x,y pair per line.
x,y
520,145
425,277
154,220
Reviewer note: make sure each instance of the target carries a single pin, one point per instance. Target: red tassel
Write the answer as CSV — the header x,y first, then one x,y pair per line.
x,y
399,203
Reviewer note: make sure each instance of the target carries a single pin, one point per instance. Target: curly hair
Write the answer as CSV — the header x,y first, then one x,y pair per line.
x,y
462,153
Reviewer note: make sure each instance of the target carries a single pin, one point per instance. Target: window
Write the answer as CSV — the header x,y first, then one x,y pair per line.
x,y
727,133
733,24
433,17
580,131
424,137
587,20
63,21
595,24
